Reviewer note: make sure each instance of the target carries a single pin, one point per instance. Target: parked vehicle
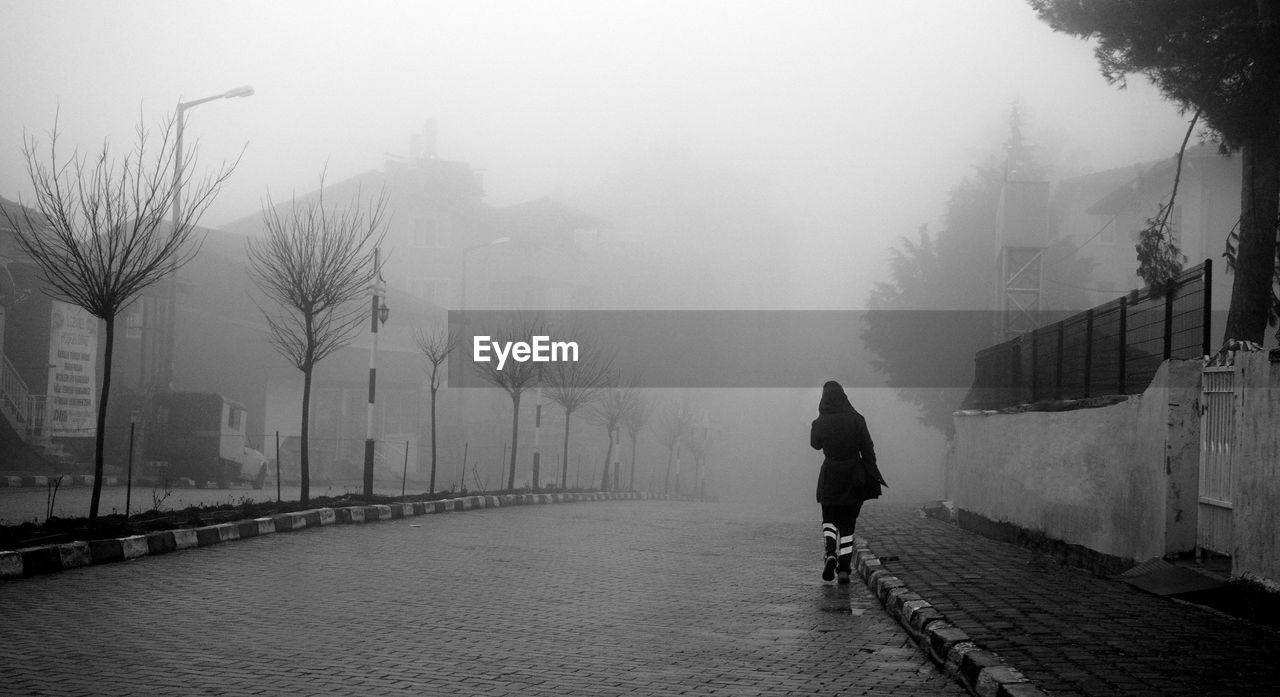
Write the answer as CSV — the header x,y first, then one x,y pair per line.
x,y
199,436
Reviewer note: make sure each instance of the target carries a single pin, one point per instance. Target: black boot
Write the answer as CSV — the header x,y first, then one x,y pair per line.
x,y
830,535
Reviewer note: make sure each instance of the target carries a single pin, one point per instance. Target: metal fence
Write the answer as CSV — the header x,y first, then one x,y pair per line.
x,y
1114,348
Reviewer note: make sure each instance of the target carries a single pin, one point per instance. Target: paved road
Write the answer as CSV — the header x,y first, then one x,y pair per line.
x,y
610,598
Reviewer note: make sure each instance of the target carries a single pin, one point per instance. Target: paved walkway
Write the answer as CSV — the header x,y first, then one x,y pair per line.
x,y
1067,631
609,598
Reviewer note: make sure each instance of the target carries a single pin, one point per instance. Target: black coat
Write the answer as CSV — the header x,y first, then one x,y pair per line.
x,y
849,473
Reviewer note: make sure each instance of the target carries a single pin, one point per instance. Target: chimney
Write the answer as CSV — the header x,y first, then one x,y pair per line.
x,y
423,145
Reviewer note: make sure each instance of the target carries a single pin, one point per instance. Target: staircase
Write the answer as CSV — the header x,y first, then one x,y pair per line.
x,y
24,411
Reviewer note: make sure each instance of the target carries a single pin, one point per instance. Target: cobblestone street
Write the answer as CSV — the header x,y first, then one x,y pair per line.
x,y
607,598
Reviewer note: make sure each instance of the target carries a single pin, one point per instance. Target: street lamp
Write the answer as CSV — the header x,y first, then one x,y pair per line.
x,y
379,311
166,377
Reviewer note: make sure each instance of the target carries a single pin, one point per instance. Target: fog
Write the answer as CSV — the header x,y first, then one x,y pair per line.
x,y
846,122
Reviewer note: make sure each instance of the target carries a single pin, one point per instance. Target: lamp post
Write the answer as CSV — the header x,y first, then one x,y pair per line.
x,y
378,316
166,365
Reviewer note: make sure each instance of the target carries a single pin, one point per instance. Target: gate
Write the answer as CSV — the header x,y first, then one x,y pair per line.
x,y
1217,431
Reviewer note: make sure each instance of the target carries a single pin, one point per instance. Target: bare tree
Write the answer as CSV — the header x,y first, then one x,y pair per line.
x,y
609,411
315,261
514,377
698,440
636,418
573,384
98,232
436,346
674,426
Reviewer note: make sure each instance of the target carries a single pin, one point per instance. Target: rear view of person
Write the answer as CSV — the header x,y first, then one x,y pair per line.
x,y
849,476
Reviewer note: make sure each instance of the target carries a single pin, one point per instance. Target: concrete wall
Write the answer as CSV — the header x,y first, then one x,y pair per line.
x,y
1257,469
1120,479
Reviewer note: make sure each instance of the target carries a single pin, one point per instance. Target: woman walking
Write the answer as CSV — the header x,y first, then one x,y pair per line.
x,y
848,478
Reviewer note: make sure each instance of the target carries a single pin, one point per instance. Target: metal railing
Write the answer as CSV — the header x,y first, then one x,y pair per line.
x,y
1114,348
24,410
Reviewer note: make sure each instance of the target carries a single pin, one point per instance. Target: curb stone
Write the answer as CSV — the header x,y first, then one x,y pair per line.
x,y
979,671
32,561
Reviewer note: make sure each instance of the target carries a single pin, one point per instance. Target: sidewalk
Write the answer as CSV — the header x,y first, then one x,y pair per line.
x,y
1066,631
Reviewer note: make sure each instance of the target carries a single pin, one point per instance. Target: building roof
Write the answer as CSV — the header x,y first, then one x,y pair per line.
x,y
1153,180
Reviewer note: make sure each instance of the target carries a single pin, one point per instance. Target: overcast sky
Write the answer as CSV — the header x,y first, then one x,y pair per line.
x,y
860,115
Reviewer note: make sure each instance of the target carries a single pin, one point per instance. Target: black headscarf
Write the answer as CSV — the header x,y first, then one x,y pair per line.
x,y
834,400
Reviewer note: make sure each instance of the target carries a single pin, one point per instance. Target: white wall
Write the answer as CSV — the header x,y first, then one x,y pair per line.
x,y
1118,479
1257,470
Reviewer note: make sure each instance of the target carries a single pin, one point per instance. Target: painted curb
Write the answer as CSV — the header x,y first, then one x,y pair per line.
x,y
33,561
979,671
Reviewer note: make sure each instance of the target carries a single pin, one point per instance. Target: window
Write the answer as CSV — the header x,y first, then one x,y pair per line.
x,y
133,323
233,418
428,232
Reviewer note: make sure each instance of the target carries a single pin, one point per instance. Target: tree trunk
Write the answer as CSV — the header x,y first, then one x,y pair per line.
x,y
515,430
99,438
608,455
675,486
666,480
304,468
617,464
431,488
564,462
632,485
1255,258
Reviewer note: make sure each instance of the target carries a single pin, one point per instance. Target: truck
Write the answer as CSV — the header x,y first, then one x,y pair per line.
x,y
200,436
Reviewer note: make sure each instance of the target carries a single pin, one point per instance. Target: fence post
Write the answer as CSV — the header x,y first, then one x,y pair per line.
x,y
1035,361
1208,305
1057,373
1088,351
1168,320
1123,334
404,476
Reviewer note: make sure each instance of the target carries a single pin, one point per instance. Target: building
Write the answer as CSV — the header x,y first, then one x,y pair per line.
x,y
1102,213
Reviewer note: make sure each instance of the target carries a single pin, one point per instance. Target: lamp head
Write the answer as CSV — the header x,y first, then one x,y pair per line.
x,y
241,91
384,311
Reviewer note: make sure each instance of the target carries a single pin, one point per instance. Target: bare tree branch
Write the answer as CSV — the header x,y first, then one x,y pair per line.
x,y
609,410
634,421
574,384
98,231
674,426
436,346
315,262
514,377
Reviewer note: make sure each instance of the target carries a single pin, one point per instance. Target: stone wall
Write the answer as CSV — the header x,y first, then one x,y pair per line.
x,y
1120,479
